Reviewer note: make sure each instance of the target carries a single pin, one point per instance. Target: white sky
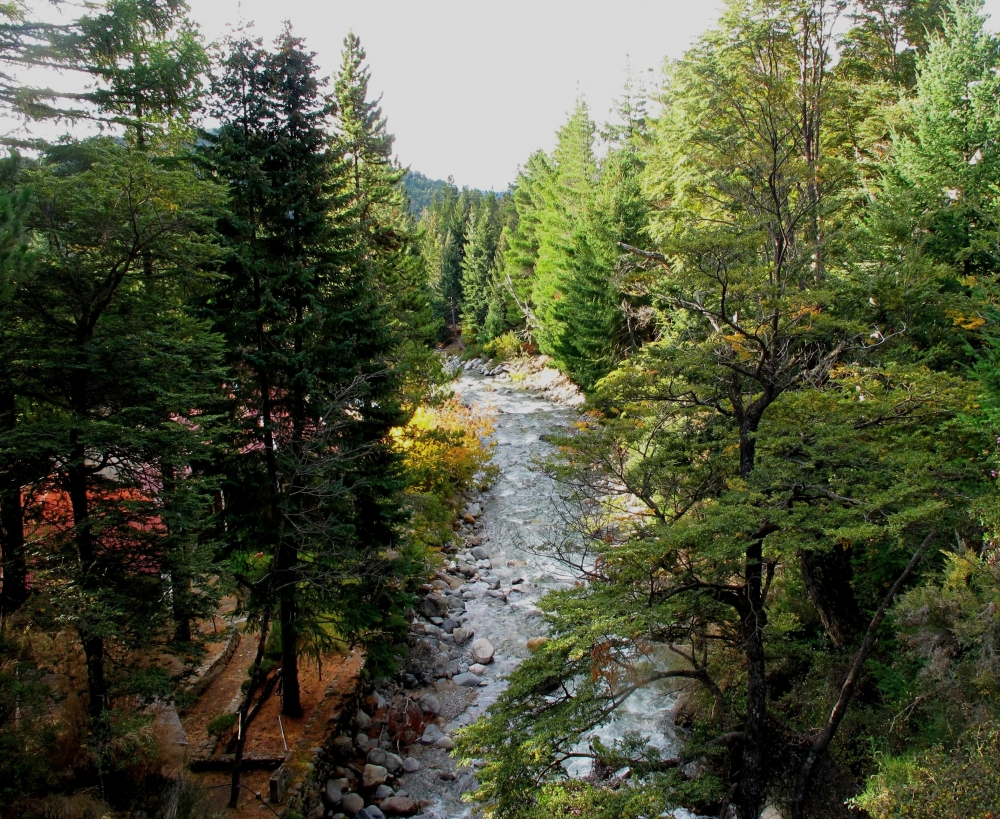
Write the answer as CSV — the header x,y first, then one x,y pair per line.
x,y
472,87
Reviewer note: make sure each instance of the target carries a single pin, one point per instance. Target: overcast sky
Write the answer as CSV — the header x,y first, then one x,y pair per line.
x,y
472,87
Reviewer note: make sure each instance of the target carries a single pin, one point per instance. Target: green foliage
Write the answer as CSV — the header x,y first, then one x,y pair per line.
x,y
221,724
939,783
504,348
421,191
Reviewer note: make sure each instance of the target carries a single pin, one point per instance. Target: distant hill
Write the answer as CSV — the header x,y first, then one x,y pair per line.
x,y
421,190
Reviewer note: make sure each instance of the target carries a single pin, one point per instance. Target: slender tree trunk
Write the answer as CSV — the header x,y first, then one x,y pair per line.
x,y
242,720
828,579
93,643
15,575
291,703
753,782
753,618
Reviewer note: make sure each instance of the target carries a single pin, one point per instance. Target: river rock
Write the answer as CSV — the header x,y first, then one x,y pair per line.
x,y
411,765
332,794
343,747
483,651
449,625
445,742
374,775
478,669
433,605
371,812
363,721
393,764
467,679
468,518
461,636
474,510
536,643
431,734
383,792
429,704
352,803
479,553
399,806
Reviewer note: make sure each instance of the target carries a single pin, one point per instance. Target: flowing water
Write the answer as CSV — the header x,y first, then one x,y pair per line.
x,y
520,513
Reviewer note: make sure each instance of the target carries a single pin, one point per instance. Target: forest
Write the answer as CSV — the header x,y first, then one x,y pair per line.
x,y
238,345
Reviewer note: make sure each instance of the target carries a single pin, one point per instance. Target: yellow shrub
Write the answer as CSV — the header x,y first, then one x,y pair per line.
x,y
446,450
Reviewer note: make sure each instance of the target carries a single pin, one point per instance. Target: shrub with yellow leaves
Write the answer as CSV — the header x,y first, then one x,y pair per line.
x,y
446,450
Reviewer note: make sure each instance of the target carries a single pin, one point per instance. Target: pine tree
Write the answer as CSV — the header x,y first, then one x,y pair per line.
x,y
116,368
310,341
477,267
520,238
566,197
384,223
597,333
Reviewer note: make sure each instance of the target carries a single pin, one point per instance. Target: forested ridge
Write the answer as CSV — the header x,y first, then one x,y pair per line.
x,y
229,326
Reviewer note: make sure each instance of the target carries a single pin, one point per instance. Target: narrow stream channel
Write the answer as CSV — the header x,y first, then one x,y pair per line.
x,y
519,513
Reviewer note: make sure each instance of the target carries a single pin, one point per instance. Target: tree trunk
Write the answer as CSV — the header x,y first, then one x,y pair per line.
x,y
93,643
827,577
753,618
15,575
291,704
242,715
753,781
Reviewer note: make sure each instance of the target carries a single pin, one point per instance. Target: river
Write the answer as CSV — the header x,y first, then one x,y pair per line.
x,y
520,512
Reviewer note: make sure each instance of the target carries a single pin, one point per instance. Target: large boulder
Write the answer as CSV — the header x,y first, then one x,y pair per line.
x,y
483,651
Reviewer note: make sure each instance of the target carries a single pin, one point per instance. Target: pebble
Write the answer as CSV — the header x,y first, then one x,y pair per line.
x,y
411,765
477,669
479,553
468,680
462,635
383,792
445,742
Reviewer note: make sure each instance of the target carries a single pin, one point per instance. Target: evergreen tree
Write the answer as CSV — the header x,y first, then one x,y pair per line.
x,y
385,227
116,369
477,267
566,197
309,339
597,328
520,239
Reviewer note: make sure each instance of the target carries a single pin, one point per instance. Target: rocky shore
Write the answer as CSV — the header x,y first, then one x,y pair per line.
x,y
393,757
536,373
